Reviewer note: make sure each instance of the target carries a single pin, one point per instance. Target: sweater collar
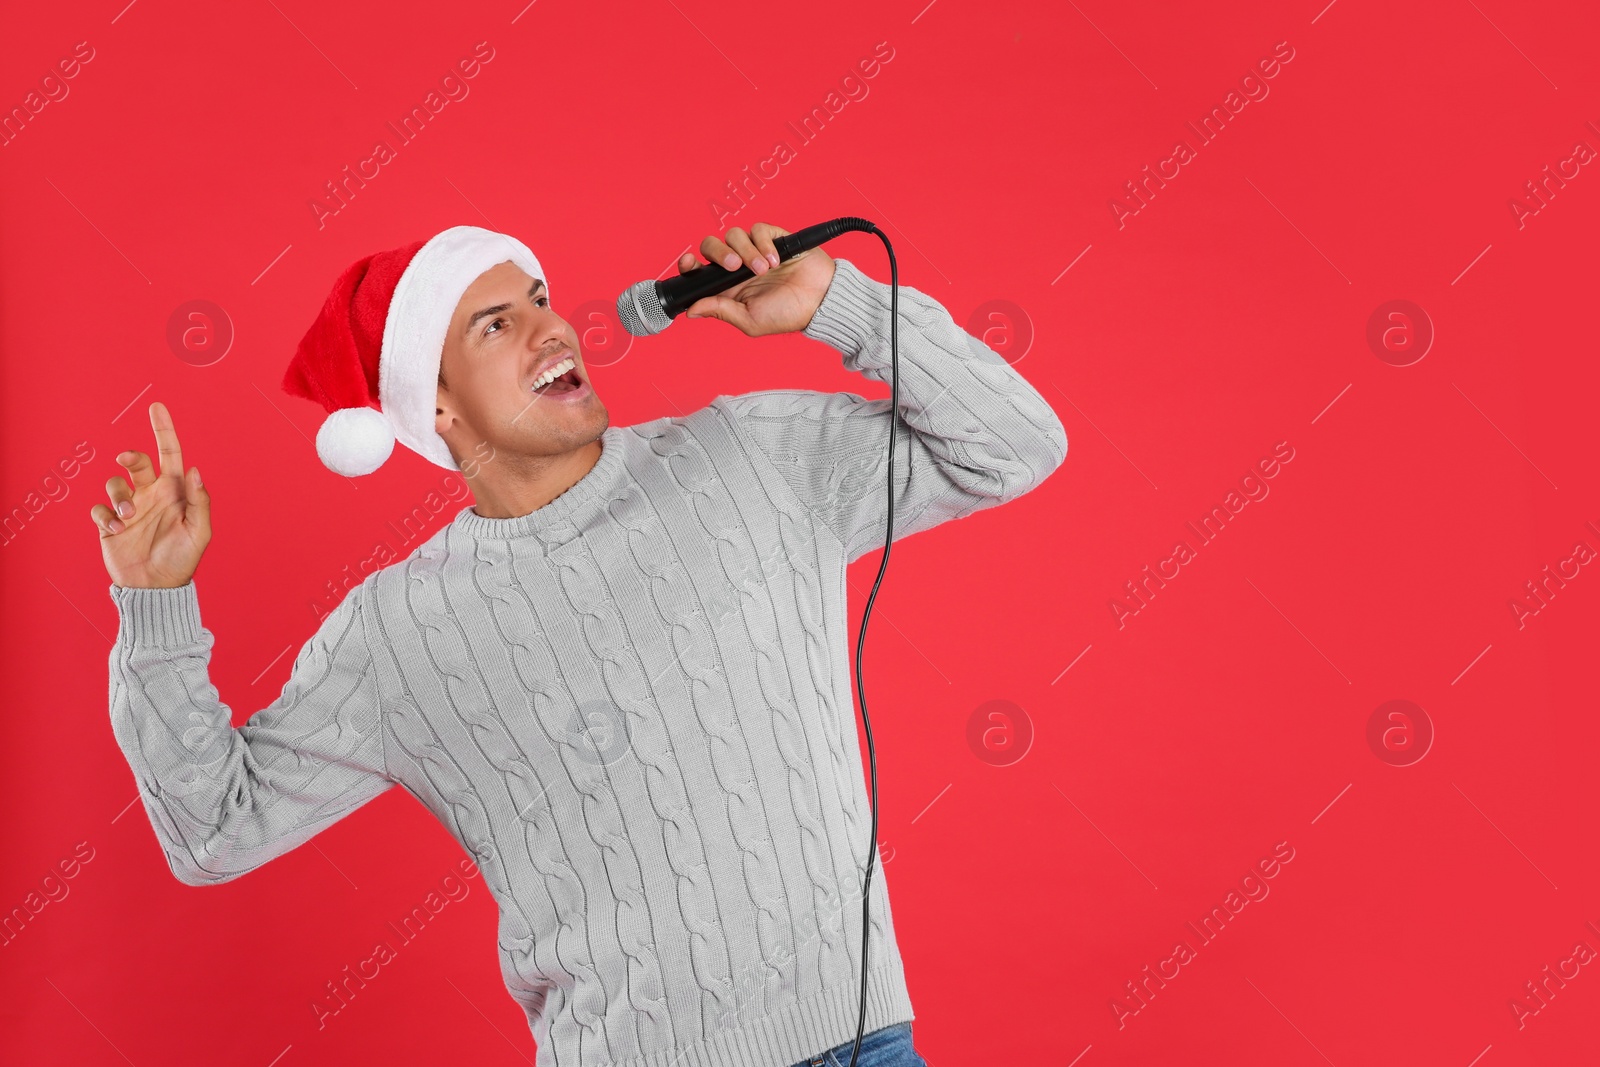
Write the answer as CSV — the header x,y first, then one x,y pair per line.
x,y
583,498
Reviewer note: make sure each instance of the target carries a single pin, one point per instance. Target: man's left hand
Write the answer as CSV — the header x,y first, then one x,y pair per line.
x,y
781,298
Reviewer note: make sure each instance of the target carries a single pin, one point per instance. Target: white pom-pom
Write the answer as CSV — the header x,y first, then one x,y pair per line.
x,y
354,441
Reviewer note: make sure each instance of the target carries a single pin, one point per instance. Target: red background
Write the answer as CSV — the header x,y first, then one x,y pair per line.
x,y
1229,314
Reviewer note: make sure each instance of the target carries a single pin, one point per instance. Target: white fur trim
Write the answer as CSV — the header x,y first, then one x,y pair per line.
x,y
419,318
355,441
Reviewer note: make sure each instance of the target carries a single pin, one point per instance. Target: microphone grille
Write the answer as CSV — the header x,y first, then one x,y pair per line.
x,y
639,308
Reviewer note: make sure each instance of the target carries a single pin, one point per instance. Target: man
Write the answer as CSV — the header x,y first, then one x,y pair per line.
x,y
619,678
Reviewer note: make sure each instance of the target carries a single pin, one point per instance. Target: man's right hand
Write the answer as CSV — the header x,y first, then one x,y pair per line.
x,y
154,532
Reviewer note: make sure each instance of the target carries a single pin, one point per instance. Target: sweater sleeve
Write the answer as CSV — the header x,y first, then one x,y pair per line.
x,y
974,433
225,800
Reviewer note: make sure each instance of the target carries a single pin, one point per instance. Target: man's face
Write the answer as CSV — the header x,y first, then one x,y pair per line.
x,y
502,335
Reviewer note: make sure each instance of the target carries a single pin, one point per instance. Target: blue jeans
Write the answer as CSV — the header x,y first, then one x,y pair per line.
x,y
888,1047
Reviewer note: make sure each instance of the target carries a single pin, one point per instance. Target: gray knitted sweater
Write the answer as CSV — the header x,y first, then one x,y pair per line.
x,y
632,706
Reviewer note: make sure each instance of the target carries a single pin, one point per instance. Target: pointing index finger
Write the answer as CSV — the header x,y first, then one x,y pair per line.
x,y
166,441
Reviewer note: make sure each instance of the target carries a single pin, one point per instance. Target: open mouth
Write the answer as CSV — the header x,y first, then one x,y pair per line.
x,y
564,382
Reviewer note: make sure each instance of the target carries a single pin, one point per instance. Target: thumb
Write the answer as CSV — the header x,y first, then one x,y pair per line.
x,y
197,503
721,307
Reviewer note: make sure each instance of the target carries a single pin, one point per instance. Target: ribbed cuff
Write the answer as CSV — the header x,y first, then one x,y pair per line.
x,y
162,617
854,310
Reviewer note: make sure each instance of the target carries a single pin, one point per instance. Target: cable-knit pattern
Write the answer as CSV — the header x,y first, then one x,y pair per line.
x,y
979,433
225,801
624,923
651,744
808,553
784,583
632,706
698,523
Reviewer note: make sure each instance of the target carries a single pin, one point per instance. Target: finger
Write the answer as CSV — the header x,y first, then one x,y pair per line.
x,y
197,505
121,497
108,523
717,252
762,234
140,469
166,441
749,255
687,263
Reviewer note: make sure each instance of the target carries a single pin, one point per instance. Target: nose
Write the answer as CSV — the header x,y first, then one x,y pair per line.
x,y
549,334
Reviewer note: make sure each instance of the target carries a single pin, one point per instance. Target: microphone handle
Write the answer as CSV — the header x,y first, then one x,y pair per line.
x,y
679,293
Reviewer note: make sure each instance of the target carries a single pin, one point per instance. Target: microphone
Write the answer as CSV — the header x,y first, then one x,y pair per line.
x,y
650,306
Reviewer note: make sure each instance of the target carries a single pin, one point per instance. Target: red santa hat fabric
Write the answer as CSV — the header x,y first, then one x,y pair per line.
x,y
371,358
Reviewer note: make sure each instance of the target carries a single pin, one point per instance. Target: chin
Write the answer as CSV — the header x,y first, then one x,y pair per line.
x,y
569,431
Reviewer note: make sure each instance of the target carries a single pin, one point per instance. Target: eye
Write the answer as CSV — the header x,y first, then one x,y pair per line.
x,y
544,300
491,323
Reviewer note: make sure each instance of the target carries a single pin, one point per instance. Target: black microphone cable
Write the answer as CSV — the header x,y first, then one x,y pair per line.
x,y
861,636
813,236
830,230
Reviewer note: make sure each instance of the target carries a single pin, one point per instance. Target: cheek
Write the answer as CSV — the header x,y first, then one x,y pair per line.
x,y
494,389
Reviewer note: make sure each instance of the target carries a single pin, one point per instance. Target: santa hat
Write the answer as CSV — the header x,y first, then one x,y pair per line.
x,y
372,356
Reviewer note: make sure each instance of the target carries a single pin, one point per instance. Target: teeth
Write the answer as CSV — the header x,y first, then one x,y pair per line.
x,y
554,372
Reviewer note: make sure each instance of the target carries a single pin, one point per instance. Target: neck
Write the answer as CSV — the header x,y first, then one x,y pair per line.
x,y
506,490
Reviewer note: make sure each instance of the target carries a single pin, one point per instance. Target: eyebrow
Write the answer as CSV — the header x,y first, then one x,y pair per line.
x,y
538,283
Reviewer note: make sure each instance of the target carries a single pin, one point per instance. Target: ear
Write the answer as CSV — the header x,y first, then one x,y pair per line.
x,y
443,412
